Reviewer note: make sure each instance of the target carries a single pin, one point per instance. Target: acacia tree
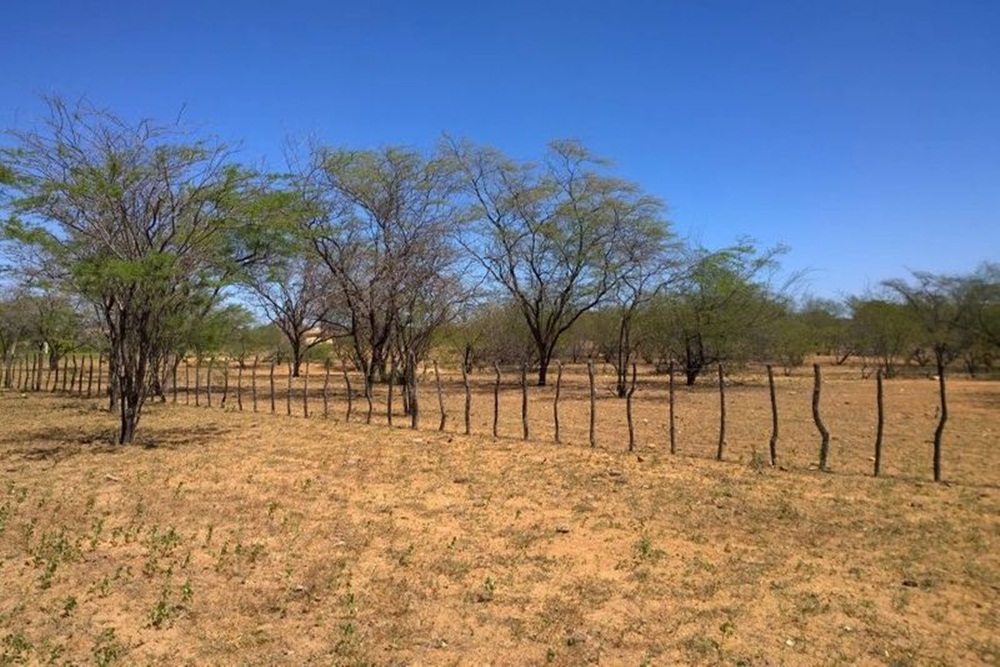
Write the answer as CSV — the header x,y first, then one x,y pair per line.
x,y
292,294
381,230
884,332
713,310
646,264
141,220
549,234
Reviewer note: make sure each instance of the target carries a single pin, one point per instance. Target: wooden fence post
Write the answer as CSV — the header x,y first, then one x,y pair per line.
x,y
368,398
524,400
305,392
225,384
881,422
253,383
942,418
555,402
100,364
437,382
271,382
414,403
722,414
824,446
79,382
90,377
496,399
197,381
347,381
593,404
468,399
670,390
628,412
208,380
773,444
65,372
326,389
389,390
239,383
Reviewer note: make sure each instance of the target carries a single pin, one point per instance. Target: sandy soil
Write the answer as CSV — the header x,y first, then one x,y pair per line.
x,y
242,538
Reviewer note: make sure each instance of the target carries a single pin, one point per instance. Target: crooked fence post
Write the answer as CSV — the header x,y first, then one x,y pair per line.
x,y
437,382
773,444
593,404
347,382
388,395
496,399
305,392
239,384
881,422
628,412
414,403
670,390
722,414
270,378
253,383
555,402
468,399
824,446
208,380
326,389
524,400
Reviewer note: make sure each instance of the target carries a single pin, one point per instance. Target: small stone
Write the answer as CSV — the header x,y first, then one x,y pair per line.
x,y
910,583
790,642
562,528
615,473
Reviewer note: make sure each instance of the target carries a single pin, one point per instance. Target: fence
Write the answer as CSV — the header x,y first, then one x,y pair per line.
x,y
339,392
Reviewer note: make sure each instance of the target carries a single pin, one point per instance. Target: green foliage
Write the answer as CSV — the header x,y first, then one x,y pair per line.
x,y
715,313
146,224
883,332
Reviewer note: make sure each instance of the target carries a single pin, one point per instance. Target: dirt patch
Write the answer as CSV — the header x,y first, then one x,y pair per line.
x,y
259,539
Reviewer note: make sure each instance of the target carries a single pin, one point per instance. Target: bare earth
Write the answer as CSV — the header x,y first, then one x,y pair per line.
x,y
242,538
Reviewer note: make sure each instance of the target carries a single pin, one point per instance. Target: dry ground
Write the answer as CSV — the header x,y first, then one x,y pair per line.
x,y
241,538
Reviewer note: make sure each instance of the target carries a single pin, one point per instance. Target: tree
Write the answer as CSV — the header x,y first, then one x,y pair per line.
x,y
14,328
713,310
549,235
293,296
382,229
828,324
142,220
883,332
646,264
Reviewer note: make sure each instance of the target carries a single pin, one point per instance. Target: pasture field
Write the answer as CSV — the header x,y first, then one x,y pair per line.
x,y
240,538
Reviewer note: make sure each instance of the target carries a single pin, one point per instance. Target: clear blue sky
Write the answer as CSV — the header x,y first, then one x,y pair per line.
x,y
864,134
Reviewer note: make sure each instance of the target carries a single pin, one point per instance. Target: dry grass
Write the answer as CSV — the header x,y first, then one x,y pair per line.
x,y
259,539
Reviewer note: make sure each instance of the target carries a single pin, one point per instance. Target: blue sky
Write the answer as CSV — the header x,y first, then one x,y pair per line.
x,y
865,135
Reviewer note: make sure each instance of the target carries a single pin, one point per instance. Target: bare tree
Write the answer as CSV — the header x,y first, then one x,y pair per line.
x,y
548,234
382,233
292,293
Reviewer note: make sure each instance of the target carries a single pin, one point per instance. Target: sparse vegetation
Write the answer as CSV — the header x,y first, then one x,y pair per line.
x,y
346,544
